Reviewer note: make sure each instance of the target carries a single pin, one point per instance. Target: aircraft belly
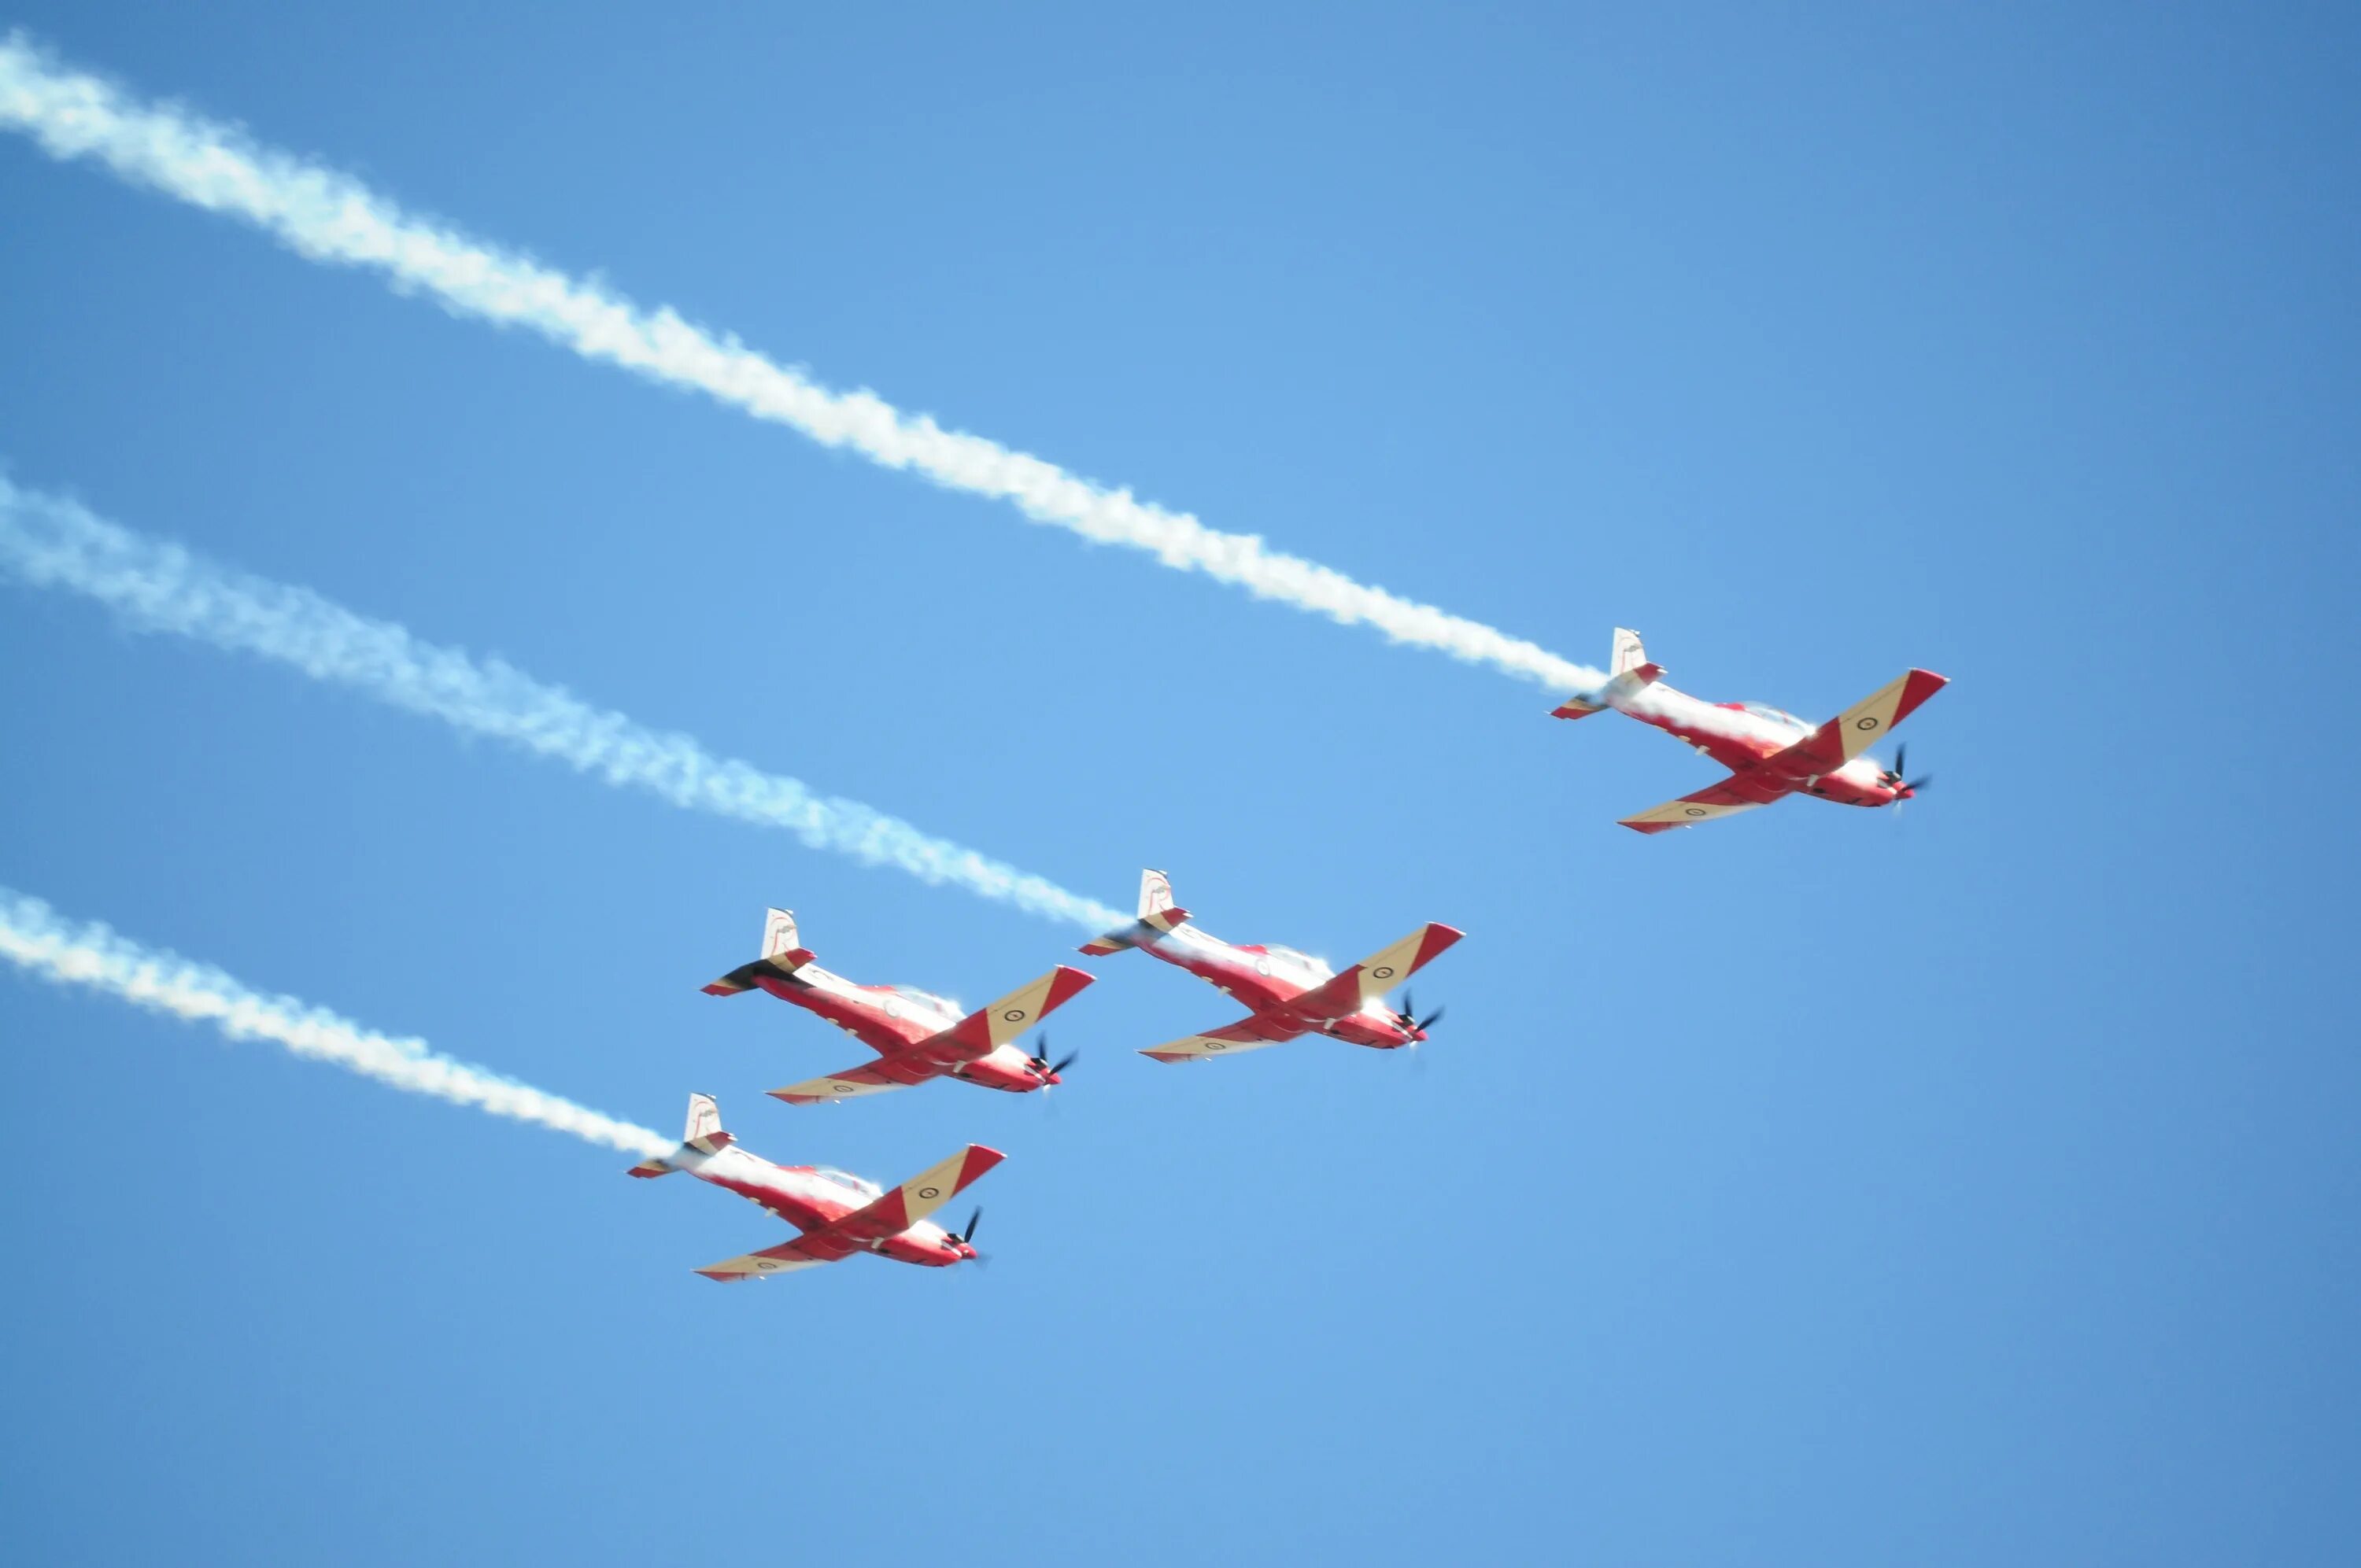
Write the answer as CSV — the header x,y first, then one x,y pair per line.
x,y
1363,1034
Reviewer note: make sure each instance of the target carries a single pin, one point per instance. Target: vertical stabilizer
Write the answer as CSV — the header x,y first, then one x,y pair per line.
x,y
1158,915
779,934
703,1136
704,1131
1155,893
783,954
1629,654
1629,674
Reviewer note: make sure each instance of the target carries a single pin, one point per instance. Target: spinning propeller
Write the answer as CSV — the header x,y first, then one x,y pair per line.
x,y
1892,777
967,1240
1409,1021
1041,1063
964,1242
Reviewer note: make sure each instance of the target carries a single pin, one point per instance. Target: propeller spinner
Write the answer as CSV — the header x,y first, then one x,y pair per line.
x,y
1041,1063
1411,1023
1892,777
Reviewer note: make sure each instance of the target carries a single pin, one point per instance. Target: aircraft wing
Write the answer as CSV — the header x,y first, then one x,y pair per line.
x,y
987,1029
875,1077
1854,730
978,1034
784,1258
1728,798
1345,994
905,1205
1245,1035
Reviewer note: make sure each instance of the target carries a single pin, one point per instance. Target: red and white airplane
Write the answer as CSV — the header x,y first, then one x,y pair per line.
x,y
917,1035
1770,753
837,1215
1290,994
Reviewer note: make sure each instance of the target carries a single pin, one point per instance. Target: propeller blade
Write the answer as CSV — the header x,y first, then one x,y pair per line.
x,y
1901,753
1430,1020
969,1234
1917,784
1069,1060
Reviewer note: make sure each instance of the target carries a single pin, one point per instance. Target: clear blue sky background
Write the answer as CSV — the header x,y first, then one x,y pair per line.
x,y
1974,1188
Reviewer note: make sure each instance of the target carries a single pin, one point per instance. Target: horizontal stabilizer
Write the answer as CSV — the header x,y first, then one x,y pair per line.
x,y
1618,692
783,954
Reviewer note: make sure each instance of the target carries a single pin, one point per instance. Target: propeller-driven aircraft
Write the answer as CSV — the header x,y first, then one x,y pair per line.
x,y
1770,753
916,1035
837,1215
1289,993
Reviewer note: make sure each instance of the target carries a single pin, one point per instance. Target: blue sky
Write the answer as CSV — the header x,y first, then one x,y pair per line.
x,y
1819,1186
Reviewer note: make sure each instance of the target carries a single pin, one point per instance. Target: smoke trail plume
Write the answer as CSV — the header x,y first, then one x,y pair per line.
x,y
155,586
35,939
330,217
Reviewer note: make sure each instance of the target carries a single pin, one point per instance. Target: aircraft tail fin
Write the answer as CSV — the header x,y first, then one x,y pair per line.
x,y
1158,915
783,954
1629,671
1628,653
702,1134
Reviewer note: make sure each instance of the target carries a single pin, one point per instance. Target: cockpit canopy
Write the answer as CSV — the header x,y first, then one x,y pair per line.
x,y
1299,961
942,1006
846,1179
1778,716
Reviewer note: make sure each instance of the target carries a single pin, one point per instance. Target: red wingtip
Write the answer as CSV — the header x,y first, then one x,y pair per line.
x,y
1917,686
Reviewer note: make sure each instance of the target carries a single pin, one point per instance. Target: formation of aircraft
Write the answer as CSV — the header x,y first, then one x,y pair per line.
x,y
1771,753
918,1035
838,1214
1288,994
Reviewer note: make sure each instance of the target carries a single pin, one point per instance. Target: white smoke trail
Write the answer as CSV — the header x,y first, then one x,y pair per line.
x,y
156,585
330,217
34,937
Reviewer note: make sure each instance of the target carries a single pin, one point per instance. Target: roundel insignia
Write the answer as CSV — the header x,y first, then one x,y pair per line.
x,y
930,1192
1216,1045
1694,811
841,1087
766,1263
1013,1015
1383,971
1866,722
